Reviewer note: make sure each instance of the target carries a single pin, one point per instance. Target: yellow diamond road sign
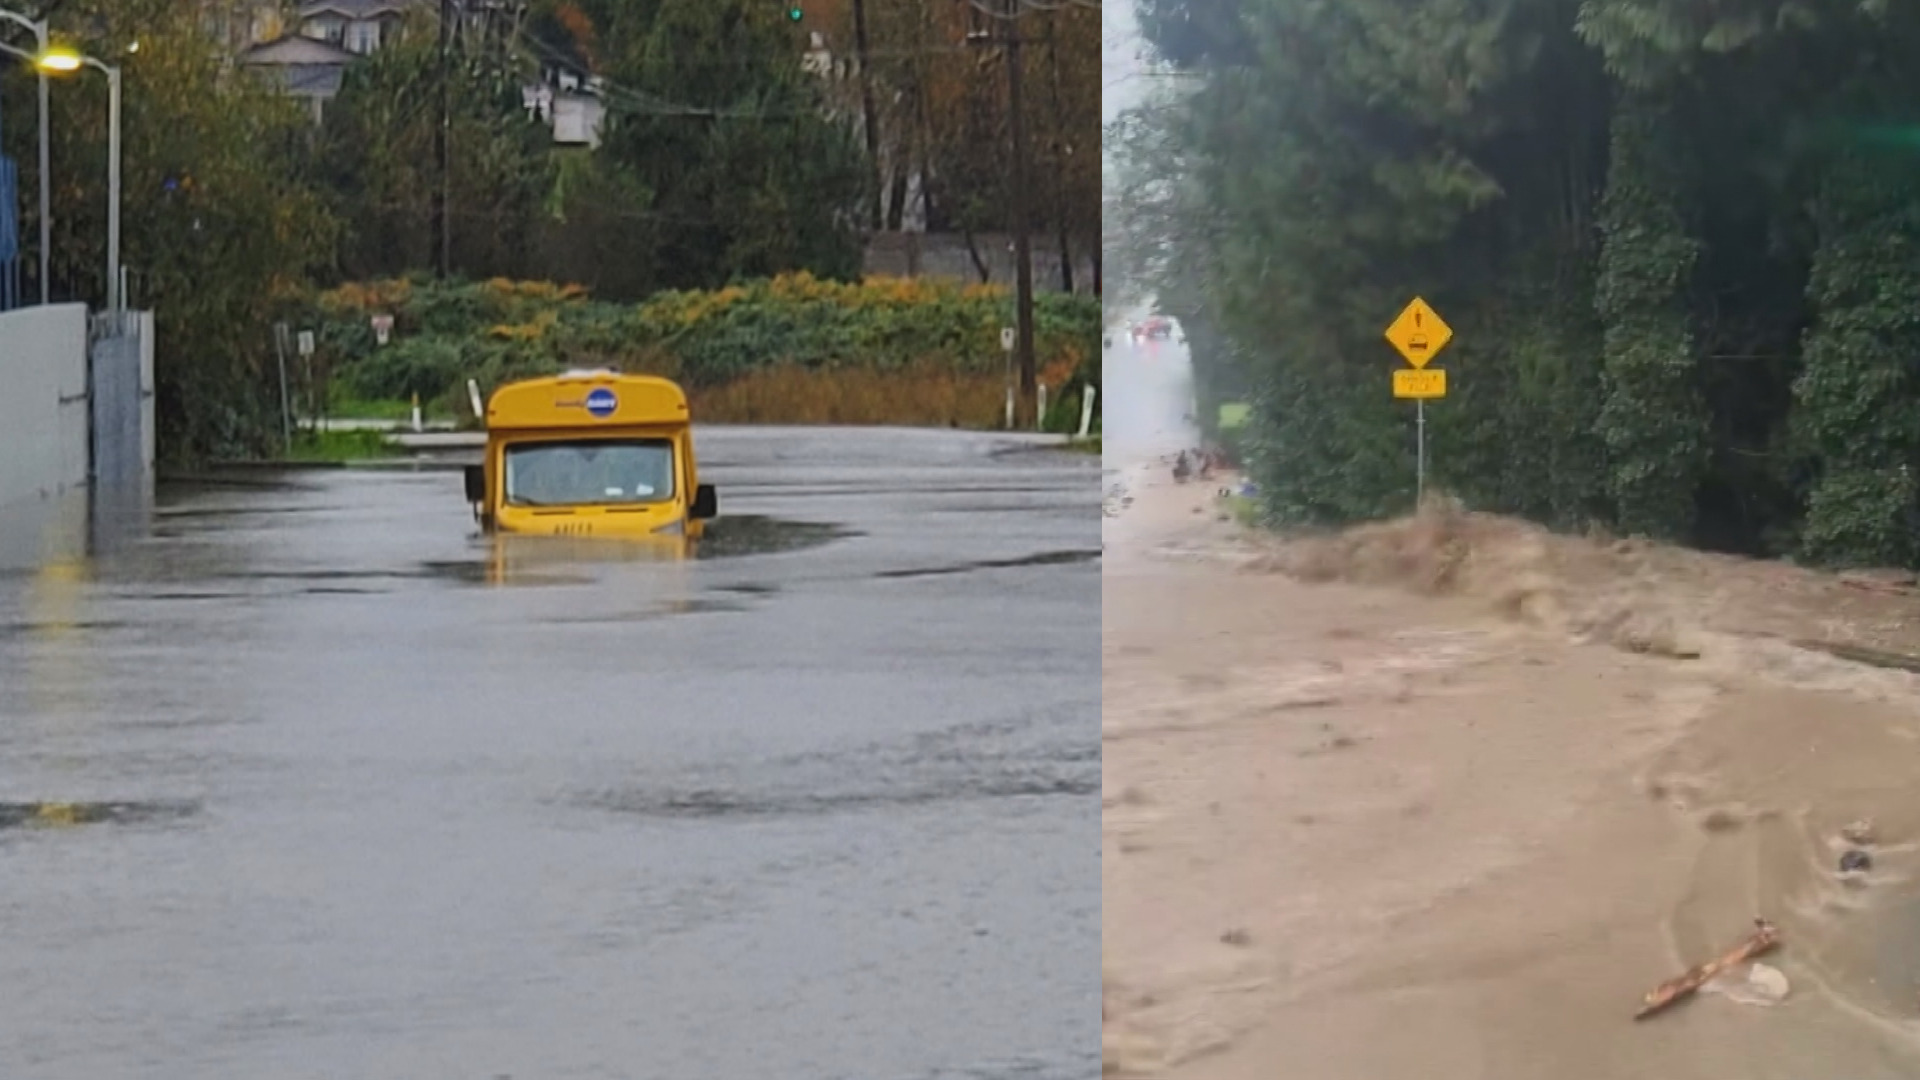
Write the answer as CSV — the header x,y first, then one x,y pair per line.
x,y
1420,384
1419,333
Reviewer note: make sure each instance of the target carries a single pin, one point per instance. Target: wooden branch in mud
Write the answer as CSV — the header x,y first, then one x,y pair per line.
x,y
1764,937
1860,654
1889,588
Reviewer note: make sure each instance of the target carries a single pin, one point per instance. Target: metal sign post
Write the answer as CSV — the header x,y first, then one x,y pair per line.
x,y
1007,341
286,404
1420,452
1418,335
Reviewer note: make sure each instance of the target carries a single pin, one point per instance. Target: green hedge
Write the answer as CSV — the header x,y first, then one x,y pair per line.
x,y
496,331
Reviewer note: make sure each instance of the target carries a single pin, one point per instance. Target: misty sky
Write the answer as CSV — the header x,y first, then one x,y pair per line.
x,y
1120,66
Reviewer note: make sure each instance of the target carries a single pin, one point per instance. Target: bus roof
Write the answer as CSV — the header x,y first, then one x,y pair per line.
x,y
587,399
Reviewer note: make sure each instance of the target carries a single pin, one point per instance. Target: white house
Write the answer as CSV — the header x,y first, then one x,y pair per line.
x,y
358,26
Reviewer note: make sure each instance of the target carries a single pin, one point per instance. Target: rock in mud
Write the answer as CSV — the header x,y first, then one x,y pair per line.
x,y
1759,984
1855,861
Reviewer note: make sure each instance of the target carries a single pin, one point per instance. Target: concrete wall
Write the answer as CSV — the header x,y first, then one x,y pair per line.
x,y
149,428
43,404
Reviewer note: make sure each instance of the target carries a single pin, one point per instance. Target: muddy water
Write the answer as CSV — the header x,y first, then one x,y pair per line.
x,y
1785,784
1336,811
298,787
1447,800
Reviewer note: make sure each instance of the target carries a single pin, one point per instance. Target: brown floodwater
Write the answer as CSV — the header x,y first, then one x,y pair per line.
x,y
1444,798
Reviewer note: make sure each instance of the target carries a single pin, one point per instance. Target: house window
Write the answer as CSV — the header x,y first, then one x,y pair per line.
x,y
328,30
363,36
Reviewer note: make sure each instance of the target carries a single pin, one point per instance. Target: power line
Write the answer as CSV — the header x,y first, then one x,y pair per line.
x,y
1020,9
639,102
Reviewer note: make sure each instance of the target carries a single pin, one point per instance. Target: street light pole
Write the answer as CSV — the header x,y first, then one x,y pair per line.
x,y
46,174
65,61
40,42
114,299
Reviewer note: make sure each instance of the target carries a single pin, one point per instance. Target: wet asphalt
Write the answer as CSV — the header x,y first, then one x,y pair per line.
x,y
294,786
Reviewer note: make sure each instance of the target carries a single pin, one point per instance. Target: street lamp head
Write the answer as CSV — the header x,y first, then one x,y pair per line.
x,y
58,60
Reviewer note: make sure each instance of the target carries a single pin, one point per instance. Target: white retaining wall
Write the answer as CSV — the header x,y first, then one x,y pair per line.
x,y
43,402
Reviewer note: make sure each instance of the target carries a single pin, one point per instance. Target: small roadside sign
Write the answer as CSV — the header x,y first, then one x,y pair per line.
x,y
1419,333
306,343
1006,338
1420,385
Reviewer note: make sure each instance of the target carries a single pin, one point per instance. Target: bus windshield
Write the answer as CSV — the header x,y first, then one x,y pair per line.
x,y
589,472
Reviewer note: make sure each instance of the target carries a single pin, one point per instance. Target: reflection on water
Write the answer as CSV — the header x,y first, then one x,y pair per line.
x,y
34,532
557,560
76,525
17,815
52,542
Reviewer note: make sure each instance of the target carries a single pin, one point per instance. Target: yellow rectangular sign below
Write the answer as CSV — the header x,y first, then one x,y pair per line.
x,y
1420,383
1419,333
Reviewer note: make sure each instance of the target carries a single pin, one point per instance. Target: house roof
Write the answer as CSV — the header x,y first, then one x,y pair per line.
x,y
355,9
297,50
314,81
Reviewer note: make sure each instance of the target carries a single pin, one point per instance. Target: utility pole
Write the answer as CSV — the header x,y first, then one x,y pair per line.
x,y
442,235
1017,205
1061,148
869,123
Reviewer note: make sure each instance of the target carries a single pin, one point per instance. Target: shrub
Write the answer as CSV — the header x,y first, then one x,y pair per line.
x,y
776,330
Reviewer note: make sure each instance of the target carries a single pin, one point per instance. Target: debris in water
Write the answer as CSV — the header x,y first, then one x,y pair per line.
x,y
1895,582
1858,833
1760,984
1764,937
1855,860
1860,654
1236,937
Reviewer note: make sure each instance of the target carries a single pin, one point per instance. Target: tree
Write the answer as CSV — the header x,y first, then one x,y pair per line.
x,y
1671,237
221,218
380,168
717,122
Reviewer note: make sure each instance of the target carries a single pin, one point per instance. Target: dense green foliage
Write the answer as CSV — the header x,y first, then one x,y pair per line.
x,y
1679,244
723,159
494,331
221,215
720,157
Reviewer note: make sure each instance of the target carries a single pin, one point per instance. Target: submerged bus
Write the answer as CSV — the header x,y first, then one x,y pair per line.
x,y
590,454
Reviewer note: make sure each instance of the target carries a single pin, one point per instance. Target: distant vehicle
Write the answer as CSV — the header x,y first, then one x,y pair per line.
x,y
590,454
1154,328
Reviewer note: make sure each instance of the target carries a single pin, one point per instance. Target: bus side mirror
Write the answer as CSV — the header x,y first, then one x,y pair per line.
x,y
706,503
476,483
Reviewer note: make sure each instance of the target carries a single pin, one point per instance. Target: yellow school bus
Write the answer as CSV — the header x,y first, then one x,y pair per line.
x,y
590,454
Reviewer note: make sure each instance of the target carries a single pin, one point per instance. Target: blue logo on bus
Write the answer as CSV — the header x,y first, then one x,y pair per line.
x,y
601,403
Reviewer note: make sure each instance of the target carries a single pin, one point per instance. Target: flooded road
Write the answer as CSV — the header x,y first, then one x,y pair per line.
x,y
1148,411
374,803
1447,796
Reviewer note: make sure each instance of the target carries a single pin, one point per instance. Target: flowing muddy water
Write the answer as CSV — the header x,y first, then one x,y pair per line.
x,y
1483,788
1445,798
